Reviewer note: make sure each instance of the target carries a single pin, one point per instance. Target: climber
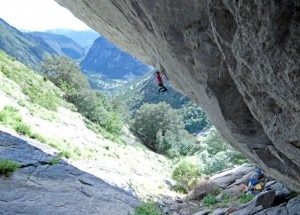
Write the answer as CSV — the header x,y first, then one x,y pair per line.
x,y
257,181
159,80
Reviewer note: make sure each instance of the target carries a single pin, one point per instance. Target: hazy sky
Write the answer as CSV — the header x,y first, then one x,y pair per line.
x,y
38,15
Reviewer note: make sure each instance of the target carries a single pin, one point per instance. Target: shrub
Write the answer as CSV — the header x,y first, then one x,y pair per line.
x,y
186,173
64,154
217,163
148,209
53,161
38,137
245,198
178,189
22,128
9,116
209,199
216,154
8,166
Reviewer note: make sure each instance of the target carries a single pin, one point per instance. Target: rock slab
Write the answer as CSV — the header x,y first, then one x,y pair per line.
x,y
40,188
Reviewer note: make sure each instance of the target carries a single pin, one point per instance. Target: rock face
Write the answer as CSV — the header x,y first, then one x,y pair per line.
x,y
239,60
40,188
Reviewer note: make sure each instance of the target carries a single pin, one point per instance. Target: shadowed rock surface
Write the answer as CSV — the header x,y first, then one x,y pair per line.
x,y
239,60
40,188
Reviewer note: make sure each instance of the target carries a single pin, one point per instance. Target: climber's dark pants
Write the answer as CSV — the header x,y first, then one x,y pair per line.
x,y
162,88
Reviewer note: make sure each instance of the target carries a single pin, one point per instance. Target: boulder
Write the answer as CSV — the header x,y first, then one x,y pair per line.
x,y
262,201
292,207
228,177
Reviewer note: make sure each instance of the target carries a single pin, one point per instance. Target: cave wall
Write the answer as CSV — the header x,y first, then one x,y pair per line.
x,y
237,59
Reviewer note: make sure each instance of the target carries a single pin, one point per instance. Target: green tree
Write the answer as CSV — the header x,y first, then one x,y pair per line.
x,y
186,173
64,73
175,143
216,154
194,118
153,118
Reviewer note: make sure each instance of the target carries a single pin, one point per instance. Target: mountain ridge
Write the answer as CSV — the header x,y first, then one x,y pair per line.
x,y
106,59
61,44
25,47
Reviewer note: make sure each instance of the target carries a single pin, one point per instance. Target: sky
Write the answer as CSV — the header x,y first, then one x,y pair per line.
x,y
38,15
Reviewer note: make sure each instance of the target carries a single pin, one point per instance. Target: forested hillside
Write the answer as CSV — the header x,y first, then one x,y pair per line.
x,y
26,48
143,90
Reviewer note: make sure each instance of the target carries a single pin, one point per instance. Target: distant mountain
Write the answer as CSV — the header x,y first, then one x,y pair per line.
x,y
108,60
84,38
26,48
143,90
62,45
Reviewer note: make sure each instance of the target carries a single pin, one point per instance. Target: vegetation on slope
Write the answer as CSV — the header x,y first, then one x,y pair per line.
x,y
65,131
92,104
158,125
8,166
142,91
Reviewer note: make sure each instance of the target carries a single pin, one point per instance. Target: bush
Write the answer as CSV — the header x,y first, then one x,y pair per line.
x,y
22,128
209,199
148,209
217,163
53,161
8,166
245,198
186,173
216,154
9,116
64,154
161,128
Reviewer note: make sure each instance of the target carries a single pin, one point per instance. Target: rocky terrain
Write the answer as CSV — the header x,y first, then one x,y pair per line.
x,y
275,198
239,60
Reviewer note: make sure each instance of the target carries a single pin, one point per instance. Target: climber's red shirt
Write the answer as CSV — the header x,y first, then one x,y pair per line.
x,y
159,79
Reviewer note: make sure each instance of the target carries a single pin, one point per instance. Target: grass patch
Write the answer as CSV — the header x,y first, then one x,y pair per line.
x,y
64,154
148,209
8,166
245,198
53,161
69,151
10,117
209,200
39,90
99,130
